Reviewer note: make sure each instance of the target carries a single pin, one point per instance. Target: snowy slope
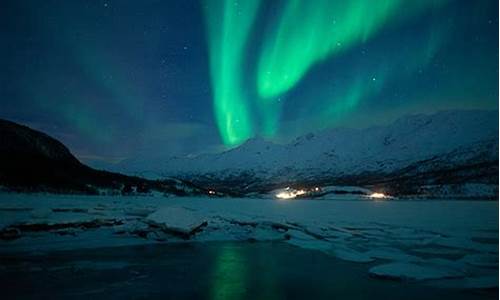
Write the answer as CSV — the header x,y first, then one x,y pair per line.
x,y
419,142
406,140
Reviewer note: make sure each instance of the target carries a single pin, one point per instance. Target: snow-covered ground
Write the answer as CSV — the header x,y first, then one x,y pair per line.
x,y
446,242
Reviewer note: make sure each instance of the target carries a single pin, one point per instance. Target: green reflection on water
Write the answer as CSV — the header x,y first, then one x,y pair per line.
x,y
230,274
234,277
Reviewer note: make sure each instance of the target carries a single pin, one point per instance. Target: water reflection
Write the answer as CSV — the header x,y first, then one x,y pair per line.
x,y
230,274
238,270
204,271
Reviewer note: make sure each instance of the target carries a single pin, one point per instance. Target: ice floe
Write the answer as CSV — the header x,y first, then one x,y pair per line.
x,y
412,271
177,220
396,243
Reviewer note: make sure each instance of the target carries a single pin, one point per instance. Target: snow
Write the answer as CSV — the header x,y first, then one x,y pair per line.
x,y
461,190
348,254
410,271
346,151
177,220
416,240
389,253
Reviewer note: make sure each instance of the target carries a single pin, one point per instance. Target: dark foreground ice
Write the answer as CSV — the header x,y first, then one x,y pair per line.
x,y
206,270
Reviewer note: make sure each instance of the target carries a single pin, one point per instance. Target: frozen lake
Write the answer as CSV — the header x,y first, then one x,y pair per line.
x,y
184,246
216,270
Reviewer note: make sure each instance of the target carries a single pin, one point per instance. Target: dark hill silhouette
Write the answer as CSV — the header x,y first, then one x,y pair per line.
x,y
33,161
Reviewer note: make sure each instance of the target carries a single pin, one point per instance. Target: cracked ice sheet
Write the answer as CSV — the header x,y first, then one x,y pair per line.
x,y
346,229
461,218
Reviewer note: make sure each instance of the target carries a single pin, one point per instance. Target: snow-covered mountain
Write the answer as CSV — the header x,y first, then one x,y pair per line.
x,y
410,147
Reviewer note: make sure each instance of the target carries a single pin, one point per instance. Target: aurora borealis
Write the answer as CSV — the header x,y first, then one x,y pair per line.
x,y
308,32
229,25
303,34
121,79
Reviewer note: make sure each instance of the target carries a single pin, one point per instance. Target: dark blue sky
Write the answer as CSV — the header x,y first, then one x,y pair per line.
x,y
117,79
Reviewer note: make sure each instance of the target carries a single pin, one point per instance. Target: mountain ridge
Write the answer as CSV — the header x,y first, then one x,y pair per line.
x,y
447,141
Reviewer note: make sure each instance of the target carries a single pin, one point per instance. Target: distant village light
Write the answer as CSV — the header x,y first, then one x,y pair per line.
x,y
289,193
285,195
377,196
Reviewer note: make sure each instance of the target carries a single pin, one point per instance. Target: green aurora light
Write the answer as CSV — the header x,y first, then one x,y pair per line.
x,y
311,31
94,75
303,34
229,24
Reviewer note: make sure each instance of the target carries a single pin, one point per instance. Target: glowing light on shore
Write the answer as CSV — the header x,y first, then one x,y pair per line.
x,y
377,196
290,194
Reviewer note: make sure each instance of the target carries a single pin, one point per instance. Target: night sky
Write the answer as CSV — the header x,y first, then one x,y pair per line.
x,y
119,79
